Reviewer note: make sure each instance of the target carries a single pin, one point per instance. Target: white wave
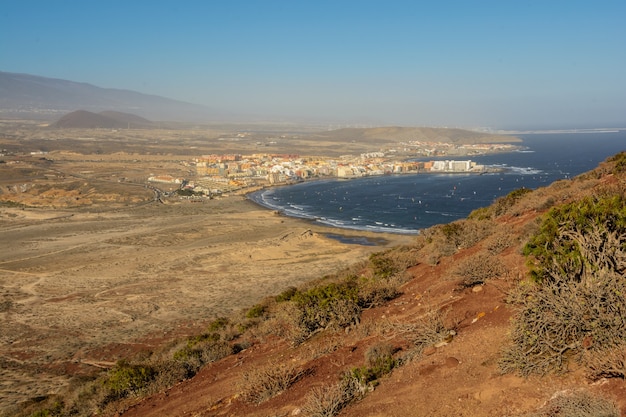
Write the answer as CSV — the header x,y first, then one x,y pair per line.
x,y
442,213
516,170
525,171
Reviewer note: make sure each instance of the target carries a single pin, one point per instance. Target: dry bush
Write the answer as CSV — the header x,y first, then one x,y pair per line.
x,y
538,200
479,268
384,265
499,242
326,401
507,203
610,363
261,384
355,384
438,250
201,350
561,318
440,242
430,329
375,292
285,323
576,308
473,231
446,239
576,404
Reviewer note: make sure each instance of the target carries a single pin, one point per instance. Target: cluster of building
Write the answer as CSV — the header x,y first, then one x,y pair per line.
x,y
217,174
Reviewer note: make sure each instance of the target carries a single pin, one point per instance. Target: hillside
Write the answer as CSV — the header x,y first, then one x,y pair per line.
x,y
423,134
30,96
82,119
455,324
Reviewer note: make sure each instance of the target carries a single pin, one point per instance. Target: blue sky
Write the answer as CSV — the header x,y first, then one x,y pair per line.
x,y
507,64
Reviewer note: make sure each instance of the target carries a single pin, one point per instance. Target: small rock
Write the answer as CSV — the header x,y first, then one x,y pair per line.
x,y
477,288
451,362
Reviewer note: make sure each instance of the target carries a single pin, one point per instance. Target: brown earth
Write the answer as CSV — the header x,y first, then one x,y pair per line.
x,y
83,289
95,272
460,378
93,269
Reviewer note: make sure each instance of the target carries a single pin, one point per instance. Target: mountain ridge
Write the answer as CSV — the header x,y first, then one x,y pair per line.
x,y
25,95
83,119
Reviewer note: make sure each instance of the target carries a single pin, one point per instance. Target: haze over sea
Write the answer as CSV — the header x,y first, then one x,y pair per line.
x,y
410,202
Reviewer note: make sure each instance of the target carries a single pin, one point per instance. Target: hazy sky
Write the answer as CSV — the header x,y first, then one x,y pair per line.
x,y
544,63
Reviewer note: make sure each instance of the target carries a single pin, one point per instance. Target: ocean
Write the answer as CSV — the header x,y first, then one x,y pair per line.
x,y
409,202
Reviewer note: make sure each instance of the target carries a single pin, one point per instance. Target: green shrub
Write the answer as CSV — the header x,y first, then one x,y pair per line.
x,y
218,324
200,350
334,304
126,379
481,213
380,359
256,311
286,295
361,380
54,410
452,232
558,242
620,162
382,265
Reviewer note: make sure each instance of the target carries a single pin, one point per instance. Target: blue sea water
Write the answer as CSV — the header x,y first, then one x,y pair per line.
x,y
407,203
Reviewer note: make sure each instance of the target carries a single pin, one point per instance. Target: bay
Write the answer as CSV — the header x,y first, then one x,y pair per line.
x,y
410,202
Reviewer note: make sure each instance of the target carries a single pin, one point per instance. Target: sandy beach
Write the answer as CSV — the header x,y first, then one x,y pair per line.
x,y
81,289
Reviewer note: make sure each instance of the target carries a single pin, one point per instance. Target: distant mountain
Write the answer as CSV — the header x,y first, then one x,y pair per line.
x,y
29,96
107,119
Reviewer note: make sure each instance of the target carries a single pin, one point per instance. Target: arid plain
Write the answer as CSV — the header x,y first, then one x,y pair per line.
x,y
93,268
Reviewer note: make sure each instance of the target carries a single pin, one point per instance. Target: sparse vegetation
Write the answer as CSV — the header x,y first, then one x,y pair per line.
x,y
572,312
574,233
379,362
429,330
127,379
328,401
576,404
575,307
619,161
611,364
478,269
501,206
329,305
261,384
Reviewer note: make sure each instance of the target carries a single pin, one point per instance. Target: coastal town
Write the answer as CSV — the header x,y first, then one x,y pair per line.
x,y
217,174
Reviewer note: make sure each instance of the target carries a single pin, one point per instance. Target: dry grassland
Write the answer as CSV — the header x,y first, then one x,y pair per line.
x,y
93,269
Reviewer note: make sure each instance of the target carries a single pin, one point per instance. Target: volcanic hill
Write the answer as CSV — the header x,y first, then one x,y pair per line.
x,y
82,119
